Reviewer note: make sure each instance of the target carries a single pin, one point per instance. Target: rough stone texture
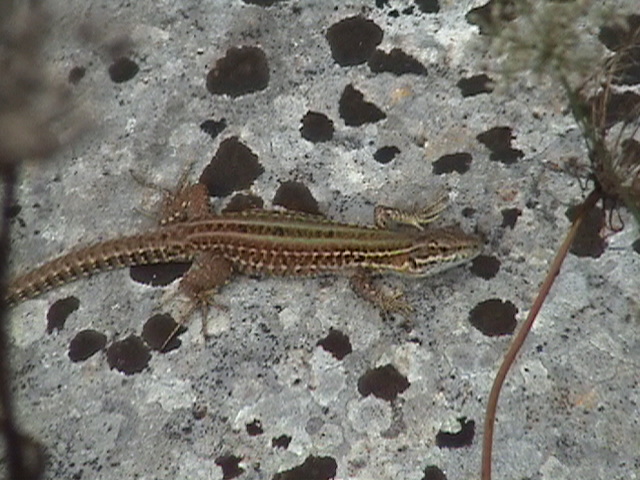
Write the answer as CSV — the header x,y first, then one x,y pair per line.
x,y
570,406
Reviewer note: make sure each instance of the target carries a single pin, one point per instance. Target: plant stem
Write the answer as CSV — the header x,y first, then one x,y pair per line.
x,y
519,339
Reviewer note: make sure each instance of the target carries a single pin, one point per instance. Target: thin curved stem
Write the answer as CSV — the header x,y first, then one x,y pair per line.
x,y
518,341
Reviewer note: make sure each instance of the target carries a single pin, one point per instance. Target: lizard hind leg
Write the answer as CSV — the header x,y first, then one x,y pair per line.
x,y
208,273
189,201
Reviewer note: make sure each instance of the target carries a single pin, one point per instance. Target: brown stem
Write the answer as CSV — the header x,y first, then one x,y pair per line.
x,y
519,339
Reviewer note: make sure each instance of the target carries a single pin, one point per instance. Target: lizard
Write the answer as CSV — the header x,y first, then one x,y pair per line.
x,y
256,241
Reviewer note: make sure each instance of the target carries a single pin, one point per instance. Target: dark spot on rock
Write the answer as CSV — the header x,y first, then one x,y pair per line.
x,y
510,217
230,465
254,428
468,212
433,473
498,140
453,162
618,35
159,274
199,411
212,127
282,441
123,69
494,317
385,154
408,11
485,19
337,344
353,40
76,74
396,62
85,344
296,196
394,13
428,6
262,3
475,85
384,382
313,468
60,311
588,241
463,438
616,107
19,221
636,246
160,327
241,71
485,266
233,167
241,202
382,3
128,356
316,127
624,38
13,211
355,111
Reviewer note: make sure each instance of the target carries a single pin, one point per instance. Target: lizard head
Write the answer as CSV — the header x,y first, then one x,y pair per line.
x,y
439,249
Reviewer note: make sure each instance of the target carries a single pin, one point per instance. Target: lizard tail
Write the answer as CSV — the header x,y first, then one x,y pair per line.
x,y
145,249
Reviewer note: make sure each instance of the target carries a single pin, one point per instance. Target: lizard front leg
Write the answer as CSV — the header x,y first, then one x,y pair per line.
x,y
393,218
362,282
